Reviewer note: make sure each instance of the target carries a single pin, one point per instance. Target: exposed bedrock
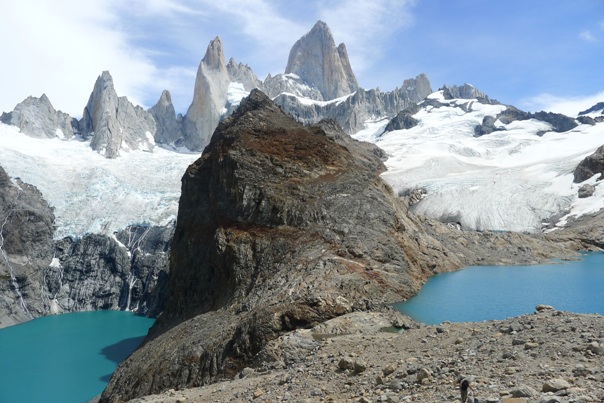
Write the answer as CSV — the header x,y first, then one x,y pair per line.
x,y
283,226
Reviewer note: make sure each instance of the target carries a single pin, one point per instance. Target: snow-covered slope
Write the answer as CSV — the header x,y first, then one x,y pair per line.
x,y
509,180
92,194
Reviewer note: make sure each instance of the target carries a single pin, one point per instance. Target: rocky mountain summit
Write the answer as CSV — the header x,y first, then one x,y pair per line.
x,y
318,62
36,117
282,227
113,123
318,83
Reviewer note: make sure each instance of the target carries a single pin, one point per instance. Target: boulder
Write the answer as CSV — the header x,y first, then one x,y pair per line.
x,y
586,190
554,385
524,391
590,166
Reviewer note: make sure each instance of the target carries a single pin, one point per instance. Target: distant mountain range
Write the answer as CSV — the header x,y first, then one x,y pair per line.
x,y
318,83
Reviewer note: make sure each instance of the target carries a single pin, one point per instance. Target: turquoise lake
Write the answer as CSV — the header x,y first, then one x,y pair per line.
x,y
481,293
66,358
70,358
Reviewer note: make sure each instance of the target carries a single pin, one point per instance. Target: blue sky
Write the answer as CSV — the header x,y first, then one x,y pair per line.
x,y
534,54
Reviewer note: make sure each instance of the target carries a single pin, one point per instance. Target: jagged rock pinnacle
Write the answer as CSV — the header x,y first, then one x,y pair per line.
x,y
214,57
317,60
209,97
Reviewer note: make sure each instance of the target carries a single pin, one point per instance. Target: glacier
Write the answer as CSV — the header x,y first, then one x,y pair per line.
x,y
509,180
93,194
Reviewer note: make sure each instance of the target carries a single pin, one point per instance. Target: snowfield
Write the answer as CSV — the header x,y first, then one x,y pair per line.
x,y
92,194
510,180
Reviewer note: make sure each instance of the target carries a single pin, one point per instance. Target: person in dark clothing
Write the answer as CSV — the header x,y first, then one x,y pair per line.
x,y
464,385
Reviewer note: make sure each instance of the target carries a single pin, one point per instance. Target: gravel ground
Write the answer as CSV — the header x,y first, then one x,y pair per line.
x,y
546,357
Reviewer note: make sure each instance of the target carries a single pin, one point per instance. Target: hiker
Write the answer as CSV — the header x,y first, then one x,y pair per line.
x,y
464,385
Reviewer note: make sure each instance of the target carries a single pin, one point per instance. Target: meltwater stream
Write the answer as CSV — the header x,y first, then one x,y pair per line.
x,y
498,292
66,358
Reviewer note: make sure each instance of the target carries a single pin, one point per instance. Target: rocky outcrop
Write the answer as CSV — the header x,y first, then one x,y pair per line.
x,y
113,123
466,91
352,112
169,127
318,62
242,73
26,229
590,166
36,117
404,119
289,84
209,97
558,122
597,108
283,227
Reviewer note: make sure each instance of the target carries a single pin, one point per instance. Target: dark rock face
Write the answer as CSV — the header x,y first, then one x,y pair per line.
x,y
318,62
26,228
98,273
403,120
590,166
586,120
352,112
280,226
559,123
487,126
597,107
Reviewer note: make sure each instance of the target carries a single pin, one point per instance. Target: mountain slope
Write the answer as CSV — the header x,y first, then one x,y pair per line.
x,y
283,226
519,177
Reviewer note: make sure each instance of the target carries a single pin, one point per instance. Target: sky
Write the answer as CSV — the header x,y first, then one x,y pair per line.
x,y
534,54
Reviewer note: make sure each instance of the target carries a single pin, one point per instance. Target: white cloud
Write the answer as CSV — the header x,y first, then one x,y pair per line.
x,y
570,106
587,36
365,26
59,48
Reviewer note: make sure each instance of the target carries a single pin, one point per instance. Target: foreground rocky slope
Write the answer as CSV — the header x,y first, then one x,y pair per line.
x,y
550,356
283,227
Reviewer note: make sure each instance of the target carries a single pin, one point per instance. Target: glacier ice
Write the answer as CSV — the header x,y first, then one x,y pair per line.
x,y
511,180
92,194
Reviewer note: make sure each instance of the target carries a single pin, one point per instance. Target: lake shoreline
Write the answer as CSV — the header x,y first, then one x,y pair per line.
x,y
546,355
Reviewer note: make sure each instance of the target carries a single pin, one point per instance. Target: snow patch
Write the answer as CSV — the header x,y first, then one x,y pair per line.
x,y
93,194
510,180
235,93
